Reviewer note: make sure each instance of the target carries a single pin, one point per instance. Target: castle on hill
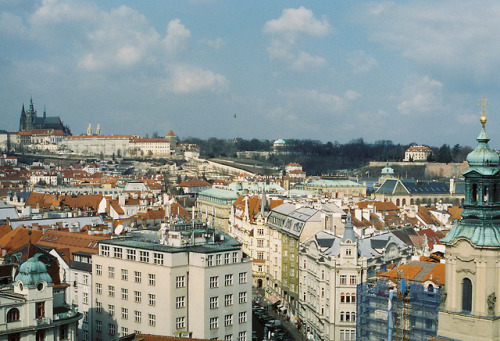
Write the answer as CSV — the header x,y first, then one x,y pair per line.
x,y
30,121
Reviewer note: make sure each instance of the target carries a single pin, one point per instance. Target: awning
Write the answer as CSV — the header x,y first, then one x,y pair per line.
x,y
273,299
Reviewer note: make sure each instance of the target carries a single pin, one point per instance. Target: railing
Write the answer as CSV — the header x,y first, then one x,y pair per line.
x,y
42,321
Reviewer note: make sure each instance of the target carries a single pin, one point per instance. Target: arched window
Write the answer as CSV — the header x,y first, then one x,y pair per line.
x,y
430,288
342,316
397,202
353,298
486,194
347,298
404,202
467,295
347,316
13,315
342,298
473,193
353,316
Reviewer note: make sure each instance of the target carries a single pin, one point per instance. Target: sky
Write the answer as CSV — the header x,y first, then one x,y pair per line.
x,y
406,71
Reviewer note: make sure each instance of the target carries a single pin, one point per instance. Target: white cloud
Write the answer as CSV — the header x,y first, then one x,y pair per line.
x,y
285,32
215,44
295,22
305,60
177,37
421,95
451,38
187,79
361,62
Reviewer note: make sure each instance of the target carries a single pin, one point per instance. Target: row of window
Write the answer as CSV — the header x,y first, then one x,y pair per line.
x,y
228,280
132,254
228,320
228,300
347,298
124,292
352,279
218,259
124,274
347,316
242,336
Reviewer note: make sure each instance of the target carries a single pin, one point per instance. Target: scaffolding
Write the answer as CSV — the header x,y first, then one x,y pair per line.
x,y
401,311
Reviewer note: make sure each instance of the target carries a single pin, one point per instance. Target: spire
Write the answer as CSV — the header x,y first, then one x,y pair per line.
x,y
32,109
349,230
98,129
89,130
483,158
22,111
44,112
263,202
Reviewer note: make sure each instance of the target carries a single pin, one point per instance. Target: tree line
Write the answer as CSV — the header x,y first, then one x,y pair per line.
x,y
317,157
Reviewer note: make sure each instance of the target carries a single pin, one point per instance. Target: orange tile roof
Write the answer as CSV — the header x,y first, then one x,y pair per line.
x,y
379,205
171,133
74,241
194,183
19,237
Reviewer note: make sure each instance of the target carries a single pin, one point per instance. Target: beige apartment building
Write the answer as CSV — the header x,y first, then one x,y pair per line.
x,y
196,284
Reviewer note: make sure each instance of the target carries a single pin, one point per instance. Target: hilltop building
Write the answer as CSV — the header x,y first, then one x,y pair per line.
x,y
417,153
471,311
30,121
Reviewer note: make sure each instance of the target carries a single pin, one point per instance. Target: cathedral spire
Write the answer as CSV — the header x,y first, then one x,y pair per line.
x,y
89,130
22,111
98,129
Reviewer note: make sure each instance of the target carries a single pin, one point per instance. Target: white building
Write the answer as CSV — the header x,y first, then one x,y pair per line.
x,y
33,310
417,153
155,147
194,284
329,271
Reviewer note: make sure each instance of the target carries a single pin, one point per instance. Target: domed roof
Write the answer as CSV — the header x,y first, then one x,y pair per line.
x,y
387,169
32,271
483,159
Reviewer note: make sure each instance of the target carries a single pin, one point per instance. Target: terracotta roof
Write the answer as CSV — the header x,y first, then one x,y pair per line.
x,y
427,217
83,137
194,183
379,205
171,133
74,241
419,271
419,149
455,213
149,140
19,237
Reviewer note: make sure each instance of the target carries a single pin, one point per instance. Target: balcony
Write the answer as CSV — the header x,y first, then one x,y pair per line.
x,y
43,321
65,311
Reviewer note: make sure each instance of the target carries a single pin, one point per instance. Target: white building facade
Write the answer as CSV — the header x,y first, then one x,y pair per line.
x,y
202,290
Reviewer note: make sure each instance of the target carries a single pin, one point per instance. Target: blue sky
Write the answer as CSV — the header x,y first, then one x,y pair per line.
x,y
407,71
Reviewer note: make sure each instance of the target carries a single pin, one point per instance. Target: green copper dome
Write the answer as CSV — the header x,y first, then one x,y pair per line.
x,y
32,271
482,155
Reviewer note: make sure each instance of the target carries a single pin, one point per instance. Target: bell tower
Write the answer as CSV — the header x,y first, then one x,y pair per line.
x,y
469,310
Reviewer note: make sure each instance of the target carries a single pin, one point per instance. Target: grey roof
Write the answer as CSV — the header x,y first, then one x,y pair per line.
x,y
51,221
7,211
80,266
419,187
228,244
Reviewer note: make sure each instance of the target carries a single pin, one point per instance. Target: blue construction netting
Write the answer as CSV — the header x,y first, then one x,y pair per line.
x,y
378,307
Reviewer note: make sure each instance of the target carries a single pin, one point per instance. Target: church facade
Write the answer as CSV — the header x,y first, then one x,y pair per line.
x,y
469,310
29,120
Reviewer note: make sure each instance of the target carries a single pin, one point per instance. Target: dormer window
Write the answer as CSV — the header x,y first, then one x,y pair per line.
x,y
348,251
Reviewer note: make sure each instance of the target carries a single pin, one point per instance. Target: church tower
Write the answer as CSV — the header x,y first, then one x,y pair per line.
x,y
469,310
89,130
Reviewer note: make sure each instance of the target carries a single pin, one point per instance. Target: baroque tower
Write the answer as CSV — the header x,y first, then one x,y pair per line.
x,y
469,310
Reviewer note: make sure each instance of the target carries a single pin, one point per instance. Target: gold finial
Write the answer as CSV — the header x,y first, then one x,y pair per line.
x,y
483,103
